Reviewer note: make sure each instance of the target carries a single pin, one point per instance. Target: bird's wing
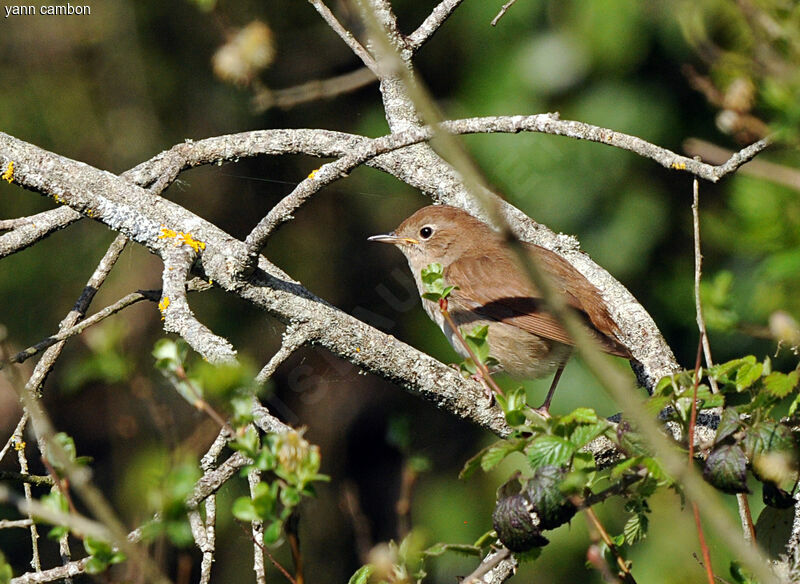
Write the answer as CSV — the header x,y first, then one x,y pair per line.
x,y
512,299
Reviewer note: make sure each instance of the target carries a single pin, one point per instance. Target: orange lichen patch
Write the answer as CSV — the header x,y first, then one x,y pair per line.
x,y
167,233
313,173
678,165
162,305
187,239
182,238
19,445
8,175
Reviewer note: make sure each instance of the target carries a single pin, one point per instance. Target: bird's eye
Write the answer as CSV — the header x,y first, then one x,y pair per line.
x,y
426,232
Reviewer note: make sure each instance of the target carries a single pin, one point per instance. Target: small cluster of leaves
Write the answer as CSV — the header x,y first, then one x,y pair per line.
x,y
437,290
749,435
193,380
167,501
404,563
560,475
293,465
433,281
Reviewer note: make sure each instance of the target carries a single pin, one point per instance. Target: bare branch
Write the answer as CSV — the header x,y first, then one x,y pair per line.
x,y
179,318
35,228
431,24
713,154
266,98
497,567
293,338
68,570
502,12
345,35
63,335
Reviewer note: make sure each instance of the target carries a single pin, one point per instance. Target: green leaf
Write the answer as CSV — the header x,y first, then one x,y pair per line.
x,y
729,424
747,375
273,532
548,500
497,452
245,510
635,528
580,416
726,469
478,342
768,436
550,450
361,575
6,574
584,434
441,548
780,384
95,566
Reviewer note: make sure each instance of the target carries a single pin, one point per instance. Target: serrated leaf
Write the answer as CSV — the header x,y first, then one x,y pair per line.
x,y
475,462
768,436
726,469
550,450
747,375
580,416
729,424
635,528
780,384
584,434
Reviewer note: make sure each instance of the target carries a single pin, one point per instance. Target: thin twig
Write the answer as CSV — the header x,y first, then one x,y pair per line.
x,y
624,569
345,35
77,329
502,12
763,169
266,98
481,367
431,24
257,528
293,338
489,563
698,259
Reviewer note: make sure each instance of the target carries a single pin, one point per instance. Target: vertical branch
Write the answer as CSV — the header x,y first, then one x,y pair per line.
x,y
746,518
253,479
698,264
19,446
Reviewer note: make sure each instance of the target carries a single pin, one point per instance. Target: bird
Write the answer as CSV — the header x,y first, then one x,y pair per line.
x,y
492,288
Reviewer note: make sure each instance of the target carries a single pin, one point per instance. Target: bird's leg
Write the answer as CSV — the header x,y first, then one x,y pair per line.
x,y
544,409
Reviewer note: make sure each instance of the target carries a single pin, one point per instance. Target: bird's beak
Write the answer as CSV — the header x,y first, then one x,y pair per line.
x,y
393,239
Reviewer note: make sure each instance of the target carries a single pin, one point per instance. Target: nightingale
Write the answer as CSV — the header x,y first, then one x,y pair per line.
x,y
492,288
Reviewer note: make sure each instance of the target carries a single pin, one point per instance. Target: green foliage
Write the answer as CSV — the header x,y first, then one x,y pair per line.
x,y
102,555
6,574
66,444
436,289
107,362
56,501
294,466
167,501
751,434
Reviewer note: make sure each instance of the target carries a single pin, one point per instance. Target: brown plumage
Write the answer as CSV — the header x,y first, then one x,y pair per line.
x,y
493,289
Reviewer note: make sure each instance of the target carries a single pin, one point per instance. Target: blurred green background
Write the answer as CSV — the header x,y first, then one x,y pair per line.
x,y
116,87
